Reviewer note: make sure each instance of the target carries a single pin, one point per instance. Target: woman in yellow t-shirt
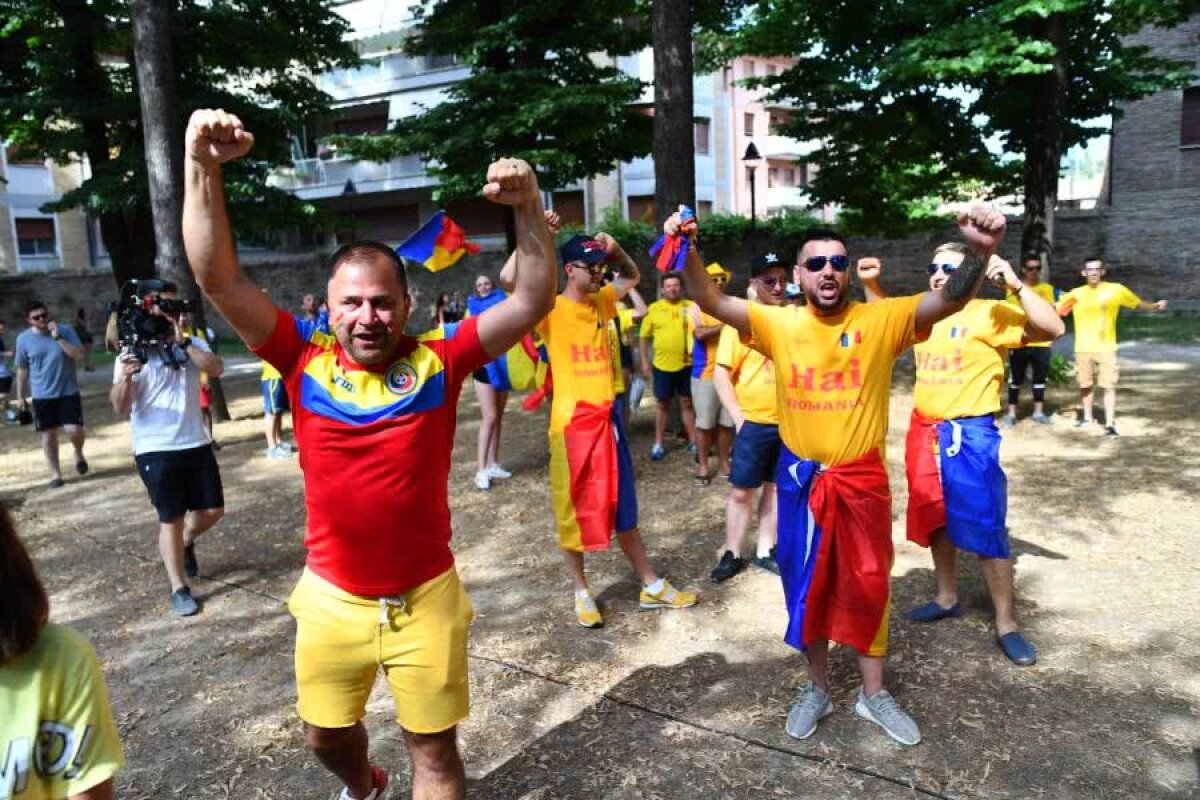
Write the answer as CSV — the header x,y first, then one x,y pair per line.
x,y
56,726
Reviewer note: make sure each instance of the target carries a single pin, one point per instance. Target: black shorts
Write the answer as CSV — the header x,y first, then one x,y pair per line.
x,y
672,384
1021,358
54,412
6,382
179,481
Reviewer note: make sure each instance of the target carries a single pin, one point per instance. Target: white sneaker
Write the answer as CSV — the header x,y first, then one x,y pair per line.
x,y
288,447
277,452
482,481
498,472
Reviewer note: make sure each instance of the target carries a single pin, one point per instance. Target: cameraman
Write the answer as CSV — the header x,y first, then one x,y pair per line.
x,y
171,446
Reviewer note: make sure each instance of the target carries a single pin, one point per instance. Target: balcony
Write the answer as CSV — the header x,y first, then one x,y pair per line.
x,y
784,147
319,178
781,197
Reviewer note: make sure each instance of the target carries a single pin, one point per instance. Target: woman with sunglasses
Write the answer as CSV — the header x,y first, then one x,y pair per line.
x,y
1035,355
833,361
957,491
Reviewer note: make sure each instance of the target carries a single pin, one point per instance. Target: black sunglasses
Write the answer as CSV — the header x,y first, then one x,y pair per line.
x,y
38,317
719,280
946,268
772,281
593,269
817,263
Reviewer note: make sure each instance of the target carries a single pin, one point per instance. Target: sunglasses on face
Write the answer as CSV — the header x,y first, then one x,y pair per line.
x,y
720,280
817,263
38,317
946,268
771,282
592,269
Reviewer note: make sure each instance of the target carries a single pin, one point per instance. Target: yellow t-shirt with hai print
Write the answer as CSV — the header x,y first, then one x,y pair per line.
x,y
577,338
833,375
961,365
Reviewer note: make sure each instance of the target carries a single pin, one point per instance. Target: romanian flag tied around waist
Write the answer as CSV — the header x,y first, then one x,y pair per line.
x,y
670,252
584,478
438,244
955,482
835,551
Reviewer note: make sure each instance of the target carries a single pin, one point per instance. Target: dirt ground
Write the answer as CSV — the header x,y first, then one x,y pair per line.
x,y
667,704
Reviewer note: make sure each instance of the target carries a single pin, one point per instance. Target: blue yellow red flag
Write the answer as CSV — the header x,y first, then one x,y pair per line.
x,y
438,244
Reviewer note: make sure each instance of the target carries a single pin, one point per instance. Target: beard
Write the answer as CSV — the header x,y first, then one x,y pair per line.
x,y
822,300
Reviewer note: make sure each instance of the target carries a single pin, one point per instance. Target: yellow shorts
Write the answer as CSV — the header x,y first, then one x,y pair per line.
x,y
1098,368
420,641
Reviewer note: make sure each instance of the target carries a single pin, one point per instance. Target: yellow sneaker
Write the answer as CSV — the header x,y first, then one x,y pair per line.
x,y
587,612
669,597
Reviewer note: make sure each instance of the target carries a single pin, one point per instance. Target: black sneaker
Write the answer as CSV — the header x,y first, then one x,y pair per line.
x,y
767,562
182,603
729,566
190,568
1111,432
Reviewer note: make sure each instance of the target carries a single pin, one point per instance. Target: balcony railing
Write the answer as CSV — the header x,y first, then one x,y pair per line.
x,y
325,177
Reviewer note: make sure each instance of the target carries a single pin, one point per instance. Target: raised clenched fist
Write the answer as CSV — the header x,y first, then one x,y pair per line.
x,y
983,227
611,248
215,136
869,269
1001,274
553,222
511,182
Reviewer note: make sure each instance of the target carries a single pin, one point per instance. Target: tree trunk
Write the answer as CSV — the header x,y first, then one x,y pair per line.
x,y
82,25
157,94
674,146
1043,147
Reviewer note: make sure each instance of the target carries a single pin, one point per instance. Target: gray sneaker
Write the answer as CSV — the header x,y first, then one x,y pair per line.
x,y
182,603
1040,418
812,705
882,709
1008,421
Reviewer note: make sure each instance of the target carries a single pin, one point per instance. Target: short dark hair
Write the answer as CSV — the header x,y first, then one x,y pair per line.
x,y
671,275
1031,257
26,608
1093,258
362,250
33,305
819,235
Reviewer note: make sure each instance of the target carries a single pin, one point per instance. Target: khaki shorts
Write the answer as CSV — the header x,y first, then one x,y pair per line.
x,y
709,411
419,641
1098,368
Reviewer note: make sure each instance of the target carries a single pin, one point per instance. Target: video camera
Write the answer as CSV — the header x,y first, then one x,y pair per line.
x,y
139,329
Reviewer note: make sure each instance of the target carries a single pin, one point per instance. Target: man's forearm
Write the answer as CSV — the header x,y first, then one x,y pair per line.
x,y
534,264
644,352
209,363
121,397
22,375
206,234
625,267
727,394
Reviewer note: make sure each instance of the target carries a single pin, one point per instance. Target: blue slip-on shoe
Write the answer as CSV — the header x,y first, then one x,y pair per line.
x,y
657,453
1018,649
932,612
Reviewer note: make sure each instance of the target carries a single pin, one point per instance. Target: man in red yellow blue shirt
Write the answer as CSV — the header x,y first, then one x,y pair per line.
x,y
591,470
833,366
957,492
1095,307
374,413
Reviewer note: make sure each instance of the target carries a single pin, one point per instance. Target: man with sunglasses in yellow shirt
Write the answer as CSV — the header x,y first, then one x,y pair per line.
x,y
833,361
957,491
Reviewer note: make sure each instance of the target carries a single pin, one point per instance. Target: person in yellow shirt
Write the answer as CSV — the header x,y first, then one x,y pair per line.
x,y
668,326
712,419
957,491
1034,355
833,365
745,380
58,739
1096,305
591,470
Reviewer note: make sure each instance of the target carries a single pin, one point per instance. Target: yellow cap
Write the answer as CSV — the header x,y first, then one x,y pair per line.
x,y
716,269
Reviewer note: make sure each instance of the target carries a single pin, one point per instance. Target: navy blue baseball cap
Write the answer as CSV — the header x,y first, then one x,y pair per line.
x,y
582,248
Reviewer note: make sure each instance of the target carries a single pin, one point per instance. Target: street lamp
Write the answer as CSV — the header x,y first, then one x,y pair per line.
x,y
751,159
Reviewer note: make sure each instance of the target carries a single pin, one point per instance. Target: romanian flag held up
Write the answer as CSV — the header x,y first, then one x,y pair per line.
x,y
438,244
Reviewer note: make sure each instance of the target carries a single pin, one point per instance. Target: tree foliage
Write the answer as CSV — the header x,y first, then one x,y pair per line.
x,y
905,97
67,88
542,86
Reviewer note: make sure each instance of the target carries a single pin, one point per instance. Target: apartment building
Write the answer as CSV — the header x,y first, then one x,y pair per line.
x,y
31,240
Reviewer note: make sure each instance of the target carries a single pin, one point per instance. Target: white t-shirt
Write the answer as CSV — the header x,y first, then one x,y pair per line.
x,y
166,403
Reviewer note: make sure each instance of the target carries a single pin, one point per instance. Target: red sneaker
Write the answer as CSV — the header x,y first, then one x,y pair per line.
x,y
379,779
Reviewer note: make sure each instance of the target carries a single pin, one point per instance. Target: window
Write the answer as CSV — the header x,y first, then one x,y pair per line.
x,y
704,208
569,207
1189,128
803,176
701,127
641,207
772,177
748,124
354,127
35,237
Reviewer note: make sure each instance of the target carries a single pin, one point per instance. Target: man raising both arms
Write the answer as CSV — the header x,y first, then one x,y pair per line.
x,y
591,470
374,415
957,492
1096,305
833,367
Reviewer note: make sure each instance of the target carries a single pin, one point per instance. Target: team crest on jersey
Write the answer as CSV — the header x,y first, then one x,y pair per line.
x,y
401,379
